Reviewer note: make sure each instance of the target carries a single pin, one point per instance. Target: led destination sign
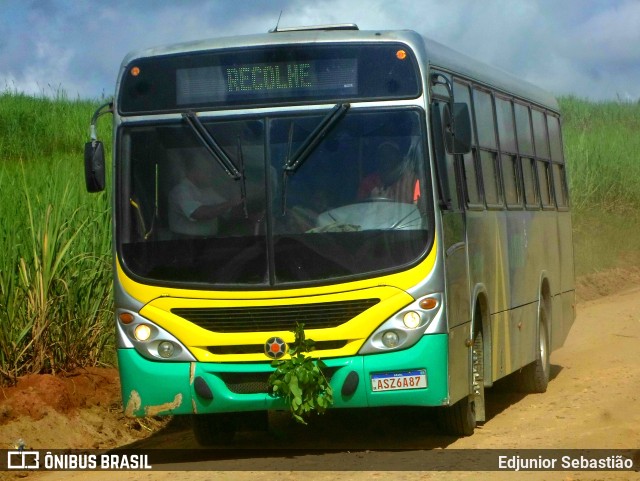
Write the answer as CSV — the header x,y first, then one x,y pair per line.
x,y
266,80
269,77
261,76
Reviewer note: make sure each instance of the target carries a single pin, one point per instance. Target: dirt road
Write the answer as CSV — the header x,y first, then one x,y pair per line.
x,y
593,401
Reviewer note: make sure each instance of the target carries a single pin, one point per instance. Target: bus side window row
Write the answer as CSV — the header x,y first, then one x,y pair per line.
x,y
517,158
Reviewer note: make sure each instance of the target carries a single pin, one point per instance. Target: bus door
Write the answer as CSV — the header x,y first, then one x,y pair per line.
x,y
453,218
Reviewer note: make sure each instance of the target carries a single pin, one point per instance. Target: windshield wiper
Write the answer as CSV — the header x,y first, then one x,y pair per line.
x,y
311,142
293,162
211,145
243,184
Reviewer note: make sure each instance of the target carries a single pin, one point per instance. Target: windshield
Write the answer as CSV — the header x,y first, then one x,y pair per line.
x,y
358,205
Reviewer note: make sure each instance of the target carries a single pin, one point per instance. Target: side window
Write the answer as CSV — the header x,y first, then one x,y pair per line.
x,y
483,107
560,185
487,146
559,175
473,194
527,162
511,180
555,140
506,132
529,178
490,177
544,179
543,166
523,129
540,134
508,152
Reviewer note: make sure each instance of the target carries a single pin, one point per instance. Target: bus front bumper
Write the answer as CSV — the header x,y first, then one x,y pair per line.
x,y
151,388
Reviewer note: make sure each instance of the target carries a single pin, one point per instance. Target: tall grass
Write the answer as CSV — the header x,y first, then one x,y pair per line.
x,y
602,149
55,247
55,280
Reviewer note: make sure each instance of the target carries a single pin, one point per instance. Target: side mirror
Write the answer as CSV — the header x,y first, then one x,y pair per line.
x,y
457,128
94,166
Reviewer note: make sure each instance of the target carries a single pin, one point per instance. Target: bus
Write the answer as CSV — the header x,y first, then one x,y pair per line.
x,y
406,203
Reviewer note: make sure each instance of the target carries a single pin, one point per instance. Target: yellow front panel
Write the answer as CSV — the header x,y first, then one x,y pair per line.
x,y
389,290
197,339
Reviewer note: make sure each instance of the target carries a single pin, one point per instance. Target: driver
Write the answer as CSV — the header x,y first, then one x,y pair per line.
x,y
393,179
194,204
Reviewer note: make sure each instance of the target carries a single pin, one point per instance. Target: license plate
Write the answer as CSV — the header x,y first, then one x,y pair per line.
x,y
394,381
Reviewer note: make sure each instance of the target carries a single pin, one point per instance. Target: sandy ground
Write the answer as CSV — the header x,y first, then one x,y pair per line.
x,y
593,402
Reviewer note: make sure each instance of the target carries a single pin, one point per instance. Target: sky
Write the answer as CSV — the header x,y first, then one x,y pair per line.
x,y
586,48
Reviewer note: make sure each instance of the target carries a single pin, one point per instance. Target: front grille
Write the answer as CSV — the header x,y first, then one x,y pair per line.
x,y
275,318
259,348
256,382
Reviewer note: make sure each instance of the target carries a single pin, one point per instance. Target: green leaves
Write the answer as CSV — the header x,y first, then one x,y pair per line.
x,y
300,380
56,306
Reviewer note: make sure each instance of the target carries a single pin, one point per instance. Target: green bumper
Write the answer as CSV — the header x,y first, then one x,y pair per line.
x,y
152,388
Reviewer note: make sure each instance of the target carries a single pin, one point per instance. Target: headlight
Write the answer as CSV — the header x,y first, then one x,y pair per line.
x,y
407,326
411,319
166,349
142,332
390,339
148,338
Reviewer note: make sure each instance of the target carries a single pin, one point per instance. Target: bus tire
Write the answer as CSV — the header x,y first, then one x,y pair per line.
x,y
213,429
534,377
461,419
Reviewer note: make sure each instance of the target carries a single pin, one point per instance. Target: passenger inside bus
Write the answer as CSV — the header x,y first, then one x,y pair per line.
x,y
195,205
394,178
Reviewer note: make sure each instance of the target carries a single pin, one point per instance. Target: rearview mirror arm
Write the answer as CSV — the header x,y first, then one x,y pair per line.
x,y
106,108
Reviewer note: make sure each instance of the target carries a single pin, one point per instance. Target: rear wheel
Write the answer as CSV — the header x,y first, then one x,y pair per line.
x,y
534,377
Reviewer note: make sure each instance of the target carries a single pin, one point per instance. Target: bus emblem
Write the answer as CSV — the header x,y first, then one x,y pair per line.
x,y
275,348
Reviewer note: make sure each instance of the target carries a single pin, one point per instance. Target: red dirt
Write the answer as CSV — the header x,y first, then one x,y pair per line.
x,y
37,394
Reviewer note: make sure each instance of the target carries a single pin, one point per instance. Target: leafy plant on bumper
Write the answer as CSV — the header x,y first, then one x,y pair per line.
x,y
300,380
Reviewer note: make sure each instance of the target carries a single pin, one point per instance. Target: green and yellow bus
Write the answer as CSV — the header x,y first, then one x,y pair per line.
x,y
407,204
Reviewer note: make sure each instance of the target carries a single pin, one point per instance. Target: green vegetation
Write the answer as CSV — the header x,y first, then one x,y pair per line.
x,y
602,147
602,150
55,266
55,248
300,381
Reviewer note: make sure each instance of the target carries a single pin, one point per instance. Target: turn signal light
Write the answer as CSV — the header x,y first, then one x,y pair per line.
x,y
429,303
125,317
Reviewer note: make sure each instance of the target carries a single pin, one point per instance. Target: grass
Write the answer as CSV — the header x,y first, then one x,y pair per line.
x,y
55,279
602,150
55,246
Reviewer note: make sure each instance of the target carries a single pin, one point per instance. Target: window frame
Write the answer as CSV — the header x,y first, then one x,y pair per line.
x,y
509,156
494,151
472,156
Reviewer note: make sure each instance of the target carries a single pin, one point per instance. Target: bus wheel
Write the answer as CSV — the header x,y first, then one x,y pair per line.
x,y
461,418
534,377
213,429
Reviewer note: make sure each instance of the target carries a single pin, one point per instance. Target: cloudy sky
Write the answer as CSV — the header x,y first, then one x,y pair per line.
x,y
588,48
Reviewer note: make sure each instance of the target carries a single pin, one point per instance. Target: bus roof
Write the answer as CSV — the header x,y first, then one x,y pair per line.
x,y
428,52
